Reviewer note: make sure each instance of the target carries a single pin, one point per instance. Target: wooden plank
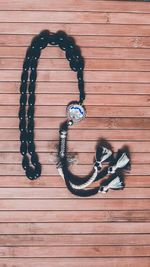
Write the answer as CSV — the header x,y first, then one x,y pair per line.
x,y
78,217
87,52
76,29
11,169
75,146
74,17
92,111
73,5
79,251
59,193
71,88
53,181
56,262
92,123
75,204
41,223
19,40
81,158
99,100
74,240
90,76
75,134
90,64
74,228
81,170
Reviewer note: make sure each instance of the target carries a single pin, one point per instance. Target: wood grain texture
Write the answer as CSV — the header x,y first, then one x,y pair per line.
x,y
41,223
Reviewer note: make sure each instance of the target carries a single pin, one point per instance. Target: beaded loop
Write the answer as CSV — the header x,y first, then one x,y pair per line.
x,y
30,63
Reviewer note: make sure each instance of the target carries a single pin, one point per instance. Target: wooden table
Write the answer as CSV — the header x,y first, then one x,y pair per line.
x,y
41,223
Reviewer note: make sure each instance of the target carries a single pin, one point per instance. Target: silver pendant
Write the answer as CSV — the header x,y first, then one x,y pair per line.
x,y
75,112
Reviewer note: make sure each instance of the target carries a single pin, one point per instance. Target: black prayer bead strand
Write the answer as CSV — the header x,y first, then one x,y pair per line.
x,y
22,111
27,134
39,43
73,55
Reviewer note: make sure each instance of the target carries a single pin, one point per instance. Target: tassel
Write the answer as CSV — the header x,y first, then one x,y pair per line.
x,y
116,183
86,184
102,154
121,163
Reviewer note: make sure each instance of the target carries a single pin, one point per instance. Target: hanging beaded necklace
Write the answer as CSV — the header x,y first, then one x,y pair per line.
x,y
75,113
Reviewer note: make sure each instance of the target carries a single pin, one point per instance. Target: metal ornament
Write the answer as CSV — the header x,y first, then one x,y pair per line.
x,y
76,112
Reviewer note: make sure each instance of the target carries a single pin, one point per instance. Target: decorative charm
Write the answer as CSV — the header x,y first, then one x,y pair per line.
x,y
75,113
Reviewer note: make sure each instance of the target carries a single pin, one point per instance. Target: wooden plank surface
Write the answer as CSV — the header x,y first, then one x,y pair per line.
x,y
41,223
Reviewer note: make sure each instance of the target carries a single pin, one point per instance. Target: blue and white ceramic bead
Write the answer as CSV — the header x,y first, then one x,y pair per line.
x,y
76,112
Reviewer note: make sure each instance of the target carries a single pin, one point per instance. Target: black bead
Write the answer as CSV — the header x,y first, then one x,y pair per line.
x,y
31,88
29,54
24,76
36,54
25,163
34,159
26,64
23,100
30,125
23,137
23,88
52,39
30,112
31,100
30,137
23,148
33,76
33,65
31,148
30,173
22,125
69,55
80,75
81,86
22,113
73,65
80,64
38,170
62,40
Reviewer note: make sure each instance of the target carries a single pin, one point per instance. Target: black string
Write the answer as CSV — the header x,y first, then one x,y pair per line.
x,y
32,167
